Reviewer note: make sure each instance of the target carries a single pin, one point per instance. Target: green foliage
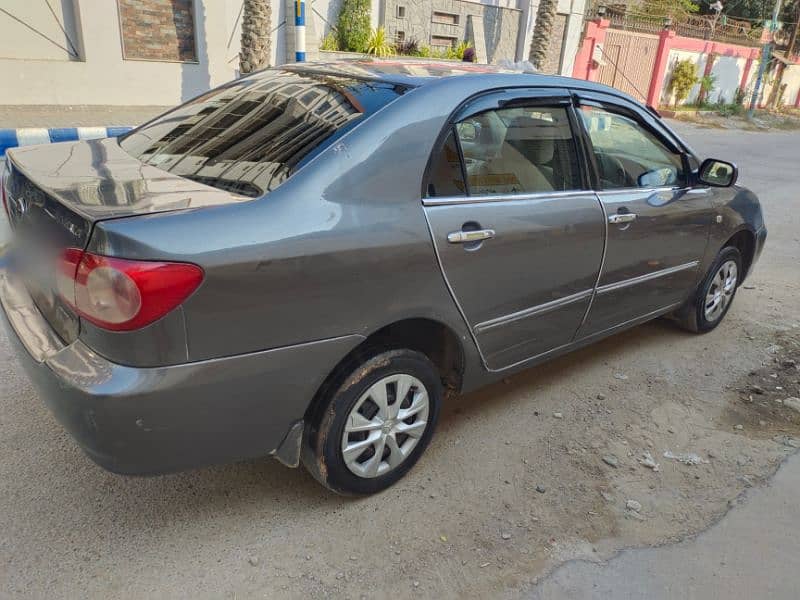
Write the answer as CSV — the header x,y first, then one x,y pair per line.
x,y
377,44
407,47
668,8
684,76
353,25
707,83
330,42
729,110
458,51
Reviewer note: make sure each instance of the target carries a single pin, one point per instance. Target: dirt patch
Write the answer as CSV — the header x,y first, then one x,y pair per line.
x,y
761,121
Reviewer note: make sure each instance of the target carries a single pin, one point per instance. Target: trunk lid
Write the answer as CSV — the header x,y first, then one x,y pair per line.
x,y
56,193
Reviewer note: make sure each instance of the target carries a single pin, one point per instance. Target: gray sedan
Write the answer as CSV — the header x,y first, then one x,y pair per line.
x,y
305,262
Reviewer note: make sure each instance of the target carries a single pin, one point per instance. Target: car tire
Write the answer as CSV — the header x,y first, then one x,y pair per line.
x,y
366,399
715,293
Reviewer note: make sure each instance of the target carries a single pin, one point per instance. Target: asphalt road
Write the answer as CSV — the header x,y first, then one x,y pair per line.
x,y
467,521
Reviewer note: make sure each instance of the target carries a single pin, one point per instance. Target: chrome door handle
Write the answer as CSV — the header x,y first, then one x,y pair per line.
x,y
463,237
620,218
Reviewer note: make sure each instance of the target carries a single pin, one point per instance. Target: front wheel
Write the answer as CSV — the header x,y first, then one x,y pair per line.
x,y
371,429
715,294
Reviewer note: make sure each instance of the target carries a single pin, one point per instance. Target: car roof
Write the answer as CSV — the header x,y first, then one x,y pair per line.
x,y
418,72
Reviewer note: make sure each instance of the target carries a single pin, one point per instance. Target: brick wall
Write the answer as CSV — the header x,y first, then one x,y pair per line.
x,y
158,30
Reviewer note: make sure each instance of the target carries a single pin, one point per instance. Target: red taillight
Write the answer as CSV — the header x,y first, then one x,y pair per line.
x,y
121,294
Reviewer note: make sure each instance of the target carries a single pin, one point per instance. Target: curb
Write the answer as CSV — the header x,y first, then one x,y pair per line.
x,y
11,138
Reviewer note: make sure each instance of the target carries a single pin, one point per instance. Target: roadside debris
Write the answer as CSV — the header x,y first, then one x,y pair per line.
x,y
792,402
558,415
787,441
611,460
620,376
633,505
689,458
648,461
541,489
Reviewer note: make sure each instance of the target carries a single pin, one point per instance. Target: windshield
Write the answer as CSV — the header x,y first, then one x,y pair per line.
x,y
249,136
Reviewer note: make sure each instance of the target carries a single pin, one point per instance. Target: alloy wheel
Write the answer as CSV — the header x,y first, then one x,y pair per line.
x,y
720,292
385,425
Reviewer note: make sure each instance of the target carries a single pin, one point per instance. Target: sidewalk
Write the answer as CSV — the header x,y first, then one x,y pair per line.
x,y
17,116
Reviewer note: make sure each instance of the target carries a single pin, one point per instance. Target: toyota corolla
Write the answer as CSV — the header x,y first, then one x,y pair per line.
x,y
305,262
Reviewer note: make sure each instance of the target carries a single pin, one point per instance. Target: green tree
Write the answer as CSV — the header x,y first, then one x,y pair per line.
x,y
353,25
542,33
684,76
668,8
256,27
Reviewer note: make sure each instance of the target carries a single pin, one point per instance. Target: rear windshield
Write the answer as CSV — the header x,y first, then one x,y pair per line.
x,y
249,136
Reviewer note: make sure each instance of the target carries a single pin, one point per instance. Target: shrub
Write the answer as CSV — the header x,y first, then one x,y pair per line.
x,y
353,25
408,47
377,44
684,76
707,83
329,42
458,51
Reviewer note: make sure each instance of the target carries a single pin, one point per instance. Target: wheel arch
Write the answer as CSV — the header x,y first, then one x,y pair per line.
x,y
744,240
433,338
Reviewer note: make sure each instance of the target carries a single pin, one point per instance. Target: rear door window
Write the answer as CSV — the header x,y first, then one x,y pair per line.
x,y
519,151
249,136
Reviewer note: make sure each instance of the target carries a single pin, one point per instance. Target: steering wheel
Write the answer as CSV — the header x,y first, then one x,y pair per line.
x,y
612,170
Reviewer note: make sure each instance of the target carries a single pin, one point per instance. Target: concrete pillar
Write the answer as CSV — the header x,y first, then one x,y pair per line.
x,y
477,36
660,67
585,65
748,66
290,37
572,36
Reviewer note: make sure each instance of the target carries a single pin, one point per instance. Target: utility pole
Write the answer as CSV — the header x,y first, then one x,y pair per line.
x,y
300,31
766,53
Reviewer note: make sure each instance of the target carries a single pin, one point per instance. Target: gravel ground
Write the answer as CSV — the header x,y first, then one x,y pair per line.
x,y
468,520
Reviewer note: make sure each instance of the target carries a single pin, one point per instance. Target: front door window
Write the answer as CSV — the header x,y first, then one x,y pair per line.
x,y
627,154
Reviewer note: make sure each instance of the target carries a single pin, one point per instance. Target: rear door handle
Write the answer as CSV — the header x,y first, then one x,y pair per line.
x,y
463,237
620,218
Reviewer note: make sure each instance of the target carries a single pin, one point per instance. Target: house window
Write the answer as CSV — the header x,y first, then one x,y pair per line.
x,y
445,18
443,41
401,12
157,30
400,37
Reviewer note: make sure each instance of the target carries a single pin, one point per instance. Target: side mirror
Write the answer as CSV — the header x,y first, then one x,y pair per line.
x,y
718,173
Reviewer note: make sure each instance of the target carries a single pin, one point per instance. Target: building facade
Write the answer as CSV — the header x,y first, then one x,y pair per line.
x,y
162,52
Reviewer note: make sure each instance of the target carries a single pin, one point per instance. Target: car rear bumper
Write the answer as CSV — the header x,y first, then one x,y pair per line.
x,y
154,420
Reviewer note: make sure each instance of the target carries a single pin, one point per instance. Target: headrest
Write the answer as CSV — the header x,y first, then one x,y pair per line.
x,y
534,138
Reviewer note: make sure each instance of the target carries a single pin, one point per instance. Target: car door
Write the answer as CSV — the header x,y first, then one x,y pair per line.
x,y
517,231
657,226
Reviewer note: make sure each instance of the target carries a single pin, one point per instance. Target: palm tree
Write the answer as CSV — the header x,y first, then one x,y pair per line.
x,y
256,26
542,32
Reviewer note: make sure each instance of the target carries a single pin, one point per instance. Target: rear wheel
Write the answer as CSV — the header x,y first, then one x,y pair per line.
x,y
715,294
371,429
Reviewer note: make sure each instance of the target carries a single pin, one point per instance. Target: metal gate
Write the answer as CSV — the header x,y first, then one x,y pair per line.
x,y
627,61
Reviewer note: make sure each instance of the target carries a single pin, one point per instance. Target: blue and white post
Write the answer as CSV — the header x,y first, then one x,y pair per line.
x,y
300,31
